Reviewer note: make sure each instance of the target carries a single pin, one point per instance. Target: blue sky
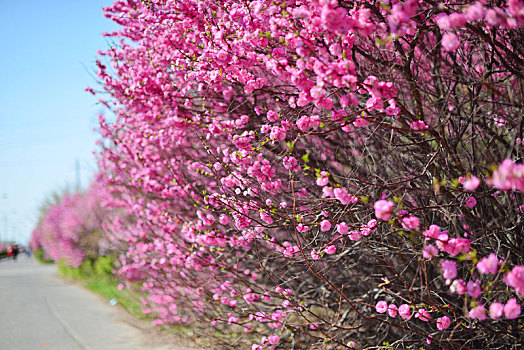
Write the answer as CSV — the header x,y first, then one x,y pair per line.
x,y
46,118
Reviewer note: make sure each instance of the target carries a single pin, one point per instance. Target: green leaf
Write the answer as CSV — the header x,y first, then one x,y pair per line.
x,y
305,158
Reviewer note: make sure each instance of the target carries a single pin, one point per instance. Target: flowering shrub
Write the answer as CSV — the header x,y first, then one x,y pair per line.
x,y
313,172
71,230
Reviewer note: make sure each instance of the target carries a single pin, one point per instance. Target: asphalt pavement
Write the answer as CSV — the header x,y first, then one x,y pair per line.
x,y
40,310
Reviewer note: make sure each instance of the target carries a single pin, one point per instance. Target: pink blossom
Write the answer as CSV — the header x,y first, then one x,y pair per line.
x,y
458,287
355,235
450,42
478,313
392,310
222,56
371,223
374,103
335,49
265,217
383,209
336,20
410,222
471,183
327,191
515,279
423,315
302,228
343,196
404,311
277,133
435,233
303,123
492,17
381,307
325,225
361,122
291,163
314,121
429,252
265,128
457,20
232,319
473,288
443,322
512,309
342,228
471,202
314,255
272,116
274,339
227,93
317,92
509,176
449,269
443,21
488,264
496,309
455,246
290,251
323,179
419,125
331,249
325,103
475,12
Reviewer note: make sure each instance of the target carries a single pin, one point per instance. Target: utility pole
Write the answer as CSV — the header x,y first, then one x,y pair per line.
x,y
77,168
6,225
4,196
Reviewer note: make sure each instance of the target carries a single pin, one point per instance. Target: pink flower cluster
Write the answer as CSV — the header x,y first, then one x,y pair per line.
x,y
509,176
383,209
406,313
239,125
511,310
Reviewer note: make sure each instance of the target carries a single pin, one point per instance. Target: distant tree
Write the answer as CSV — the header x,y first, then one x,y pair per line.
x,y
71,226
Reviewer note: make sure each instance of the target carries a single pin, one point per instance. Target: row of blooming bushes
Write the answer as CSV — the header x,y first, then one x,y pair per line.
x,y
71,228
319,174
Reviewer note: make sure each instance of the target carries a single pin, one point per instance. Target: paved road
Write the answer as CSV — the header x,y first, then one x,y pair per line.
x,y
38,310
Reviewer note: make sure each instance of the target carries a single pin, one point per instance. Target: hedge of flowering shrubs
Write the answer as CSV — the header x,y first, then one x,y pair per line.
x,y
320,174
72,229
